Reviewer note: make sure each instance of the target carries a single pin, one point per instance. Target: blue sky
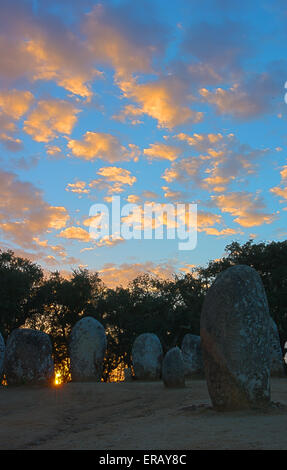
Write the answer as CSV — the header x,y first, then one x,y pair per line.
x,y
153,101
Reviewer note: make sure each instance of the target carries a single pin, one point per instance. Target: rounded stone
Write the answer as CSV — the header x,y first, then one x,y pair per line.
x,y
277,363
2,354
192,355
128,376
173,369
147,356
28,358
87,348
235,335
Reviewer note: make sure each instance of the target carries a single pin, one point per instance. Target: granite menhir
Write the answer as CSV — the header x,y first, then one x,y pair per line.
x,y
235,335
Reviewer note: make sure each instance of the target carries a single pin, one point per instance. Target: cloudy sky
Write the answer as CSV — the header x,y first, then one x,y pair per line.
x,y
154,101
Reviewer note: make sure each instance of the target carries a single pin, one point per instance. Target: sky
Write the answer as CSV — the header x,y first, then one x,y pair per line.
x,y
151,101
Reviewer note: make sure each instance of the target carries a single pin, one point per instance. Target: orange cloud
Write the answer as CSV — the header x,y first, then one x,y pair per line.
x,y
134,199
75,233
112,178
173,195
119,177
53,150
187,268
79,187
51,62
247,99
115,275
221,160
202,141
83,236
282,192
162,151
149,194
245,207
101,145
225,231
282,189
15,103
130,112
164,100
50,118
24,214
58,250
233,100
119,39
44,50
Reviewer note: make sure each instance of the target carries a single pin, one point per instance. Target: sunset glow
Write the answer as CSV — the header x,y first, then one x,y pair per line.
x,y
58,378
153,101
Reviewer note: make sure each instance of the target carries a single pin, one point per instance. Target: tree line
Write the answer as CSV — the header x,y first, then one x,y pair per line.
x,y
170,308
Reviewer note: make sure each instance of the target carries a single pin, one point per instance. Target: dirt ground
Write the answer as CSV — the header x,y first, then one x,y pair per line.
x,y
136,415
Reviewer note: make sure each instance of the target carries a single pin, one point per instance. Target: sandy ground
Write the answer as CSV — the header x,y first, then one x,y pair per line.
x,y
129,416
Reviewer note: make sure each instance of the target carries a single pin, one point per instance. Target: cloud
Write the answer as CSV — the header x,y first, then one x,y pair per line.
x,y
53,150
250,97
24,214
164,100
247,208
219,160
13,144
281,190
113,179
83,236
206,221
43,48
13,105
115,275
187,268
206,42
157,216
62,62
117,175
220,233
46,47
75,233
137,199
101,145
49,119
173,195
129,112
162,151
149,194
120,37
79,187
133,199
57,256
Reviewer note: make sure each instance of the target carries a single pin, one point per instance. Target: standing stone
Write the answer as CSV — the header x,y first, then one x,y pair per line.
x,y
147,356
128,374
2,355
173,369
28,358
192,355
235,335
277,363
87,349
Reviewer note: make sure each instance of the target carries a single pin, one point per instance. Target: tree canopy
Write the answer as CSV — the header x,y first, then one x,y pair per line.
x,y
169,308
